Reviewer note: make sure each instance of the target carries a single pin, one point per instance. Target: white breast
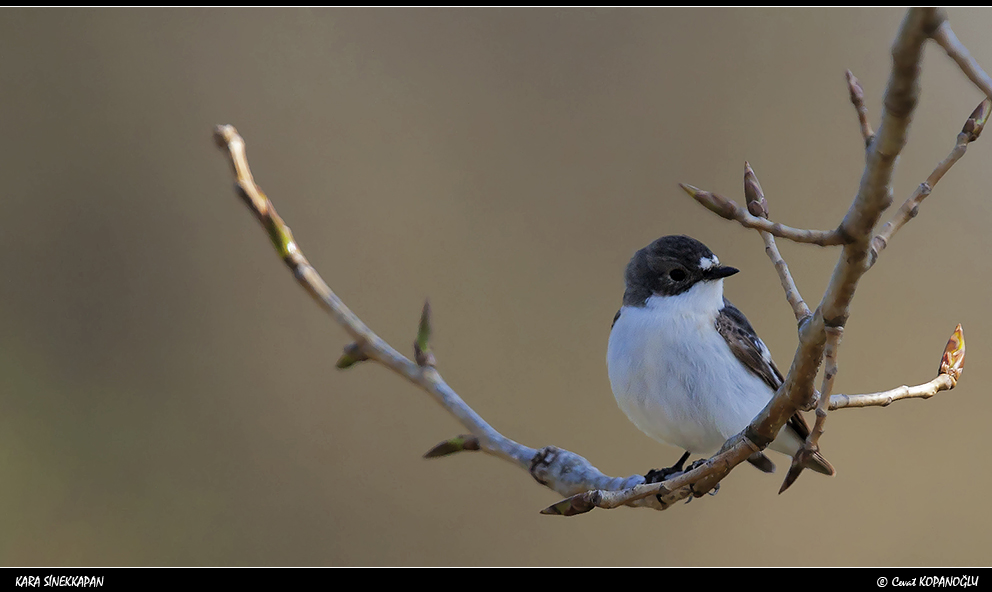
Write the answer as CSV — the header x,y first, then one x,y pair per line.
x,y
674,375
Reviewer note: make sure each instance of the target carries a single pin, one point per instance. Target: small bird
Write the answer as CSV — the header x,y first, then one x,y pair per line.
x,y
685,365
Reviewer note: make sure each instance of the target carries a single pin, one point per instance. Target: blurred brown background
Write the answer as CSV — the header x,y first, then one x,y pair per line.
x,y
168,393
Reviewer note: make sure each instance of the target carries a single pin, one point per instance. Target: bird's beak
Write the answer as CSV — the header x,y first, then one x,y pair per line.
x,y
718,273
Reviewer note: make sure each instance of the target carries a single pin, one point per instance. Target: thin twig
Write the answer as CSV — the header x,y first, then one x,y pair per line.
x,y
946,38
910,208
951,368
884,398
558,469
834,336
799,307
729,209
757,205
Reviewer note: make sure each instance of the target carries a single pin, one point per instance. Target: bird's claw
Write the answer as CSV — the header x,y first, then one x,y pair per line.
x,y
659,475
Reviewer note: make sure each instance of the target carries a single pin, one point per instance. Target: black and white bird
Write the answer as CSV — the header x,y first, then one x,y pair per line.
x,y
685,365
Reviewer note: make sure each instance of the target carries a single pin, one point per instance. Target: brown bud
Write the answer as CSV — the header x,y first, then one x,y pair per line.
x,y
952,361
755,197
976,121
857,93
717,204
577,504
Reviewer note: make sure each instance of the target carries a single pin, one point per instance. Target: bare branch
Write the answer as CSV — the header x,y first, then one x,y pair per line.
x,y
946,38
812,443
951,368
669,491
874,195
943,382
910,208
728,208
558,469
834,336
757,205
858,100
799,307
971,131
820,331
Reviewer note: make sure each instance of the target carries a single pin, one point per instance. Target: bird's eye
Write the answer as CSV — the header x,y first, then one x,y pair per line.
x,y
677,274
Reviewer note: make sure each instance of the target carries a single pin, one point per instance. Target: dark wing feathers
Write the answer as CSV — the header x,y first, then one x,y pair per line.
x,y
749,349
743,341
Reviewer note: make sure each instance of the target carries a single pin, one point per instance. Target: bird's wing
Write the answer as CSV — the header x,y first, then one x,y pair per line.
x,y
743,341
752,352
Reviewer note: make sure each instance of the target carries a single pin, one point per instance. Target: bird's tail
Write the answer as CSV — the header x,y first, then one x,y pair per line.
x,y
762,462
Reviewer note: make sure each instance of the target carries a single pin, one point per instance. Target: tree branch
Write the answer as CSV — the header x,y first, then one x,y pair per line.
x,y
728,208
926,390
812,443
874,195
855,231
911,207
558,469
819,331
951,367
668,492
946,38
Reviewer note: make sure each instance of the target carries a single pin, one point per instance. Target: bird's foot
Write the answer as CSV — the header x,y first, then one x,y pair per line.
x,y
713,491
697,464
659,475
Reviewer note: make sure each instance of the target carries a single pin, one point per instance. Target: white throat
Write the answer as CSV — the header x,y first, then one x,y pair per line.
x,y
704,298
